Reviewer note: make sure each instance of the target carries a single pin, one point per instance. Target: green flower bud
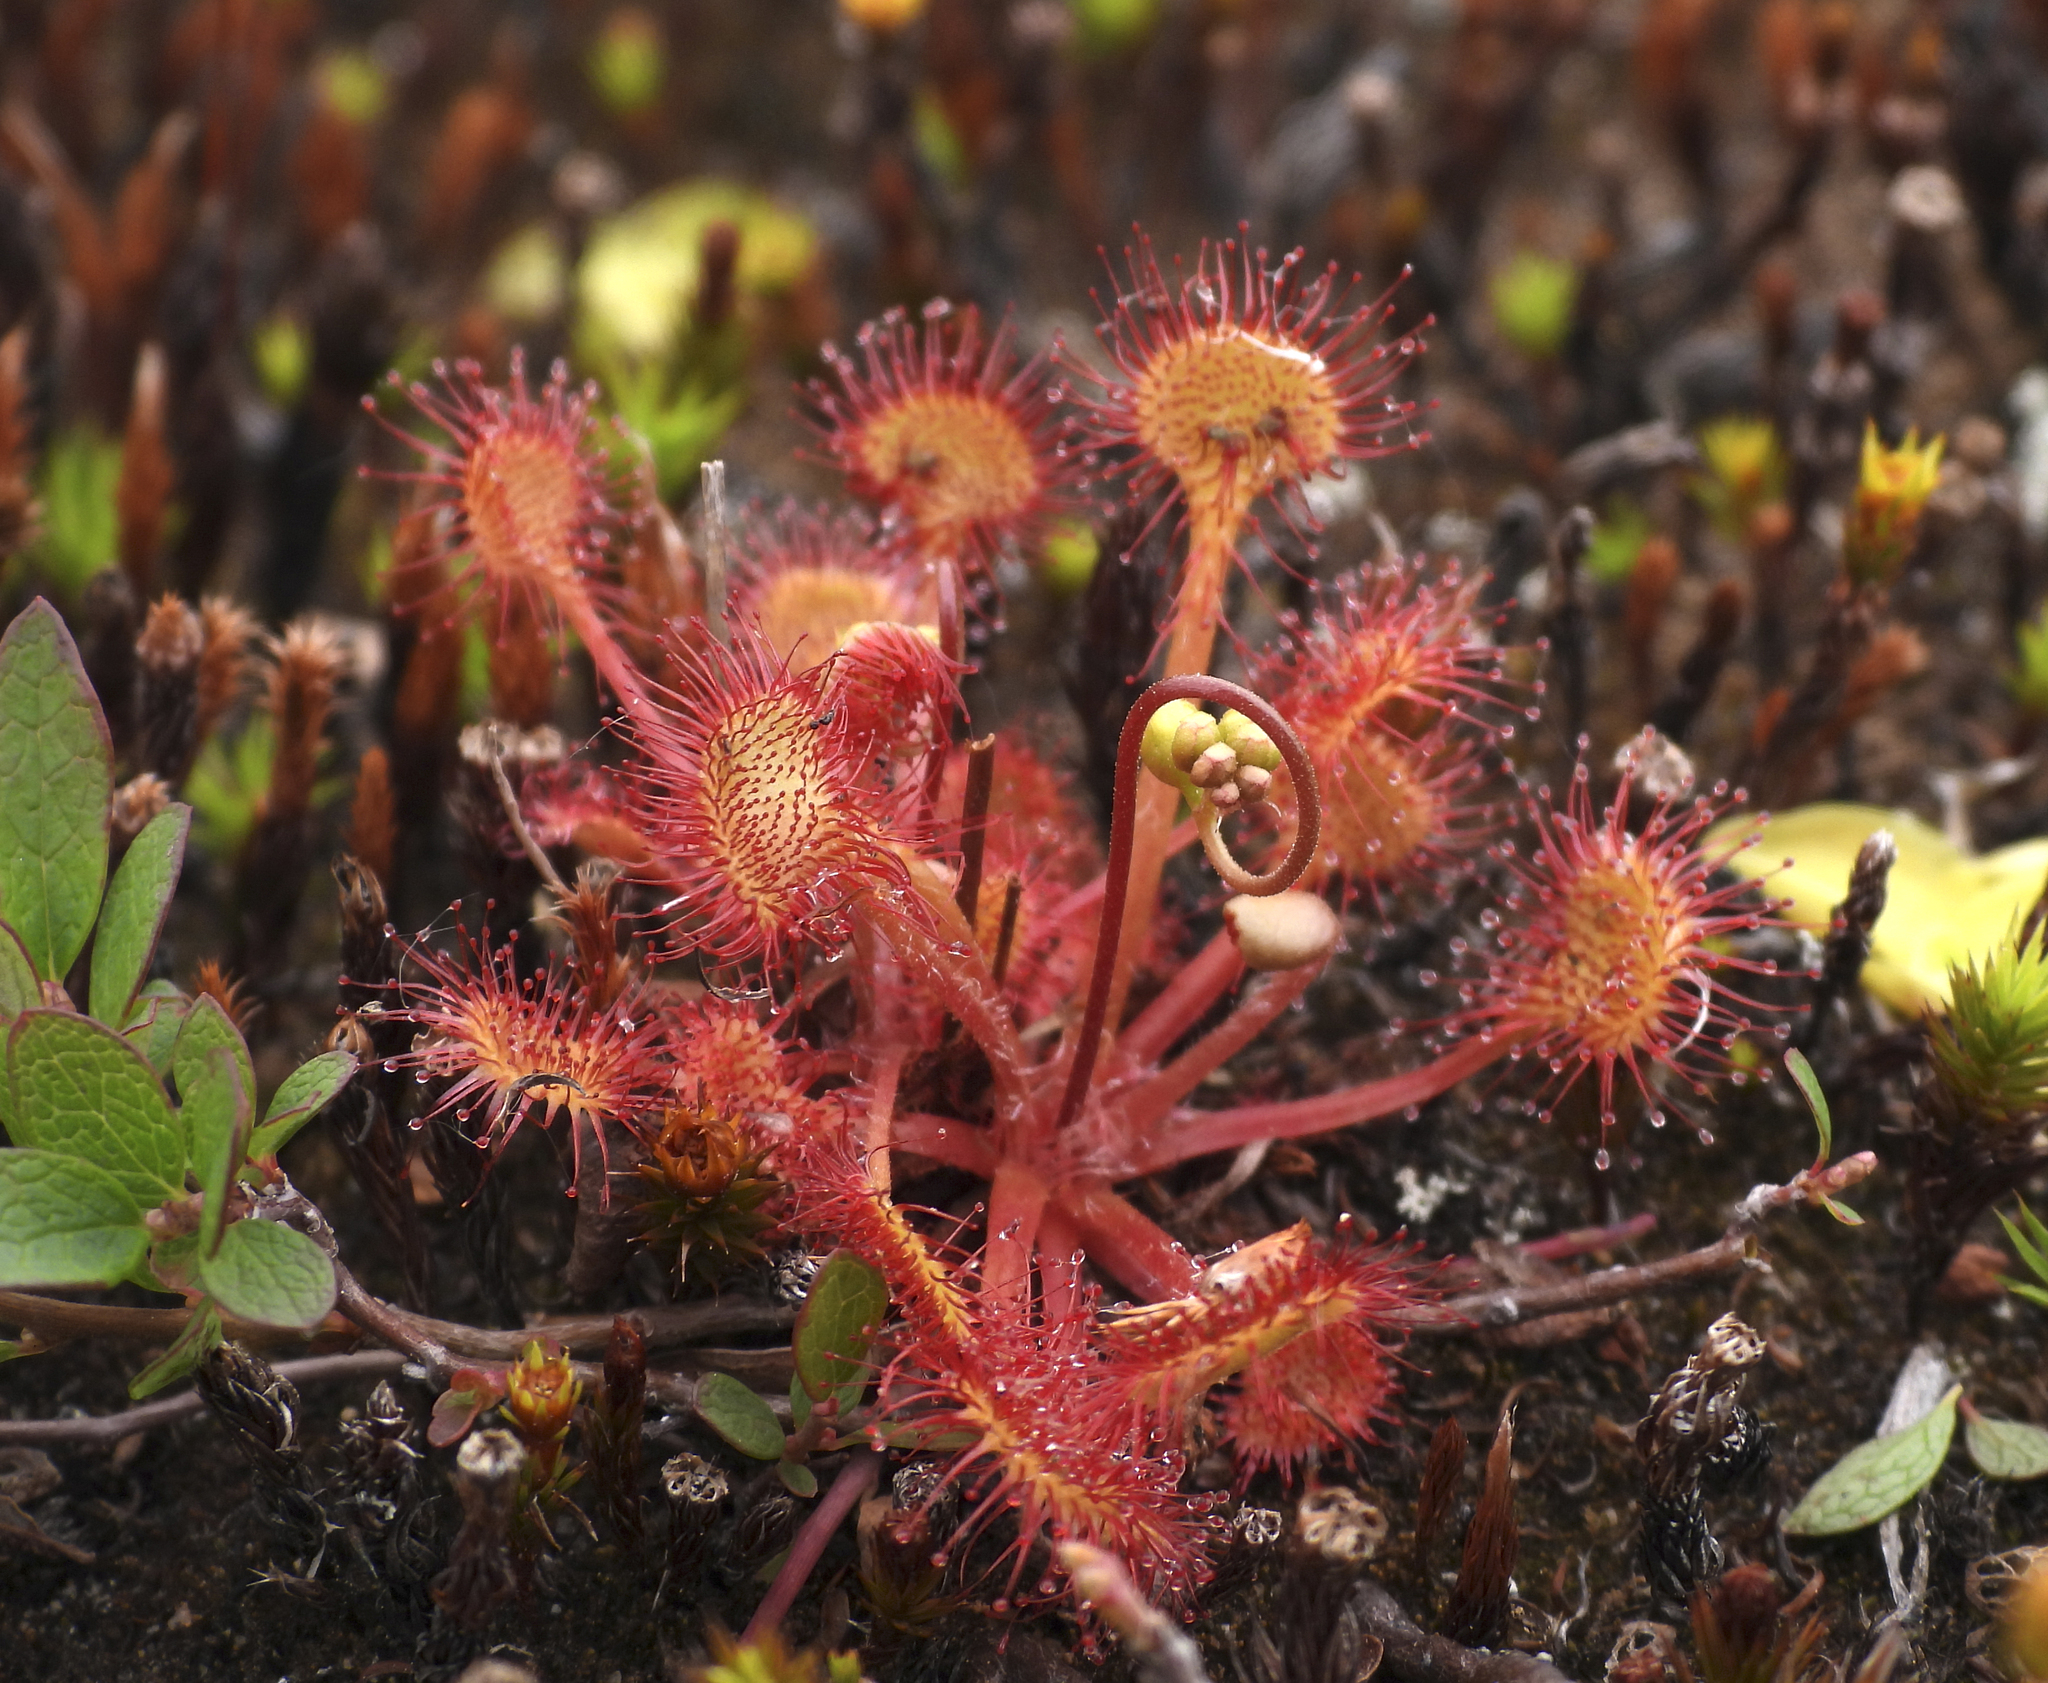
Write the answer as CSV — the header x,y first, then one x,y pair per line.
x,y
1252,746
1175,737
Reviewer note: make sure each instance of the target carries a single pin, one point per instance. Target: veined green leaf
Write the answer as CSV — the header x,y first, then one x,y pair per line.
x,y
133,915
1878,1477
56,783
272,1274
79,1088
65,1222
307,1091
2009,1449
739,1416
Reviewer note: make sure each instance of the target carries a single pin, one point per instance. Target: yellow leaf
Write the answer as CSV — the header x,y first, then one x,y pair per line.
x,y
1942,905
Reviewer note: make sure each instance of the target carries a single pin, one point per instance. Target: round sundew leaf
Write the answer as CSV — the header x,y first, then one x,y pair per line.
x,y
270,1274
1877,1477
740,1417
2008,1449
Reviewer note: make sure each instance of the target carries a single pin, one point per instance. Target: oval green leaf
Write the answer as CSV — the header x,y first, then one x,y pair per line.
x,y
209,1028
155,1022
200,1334
1878,1477
56,783
133,915
797,1478
64,1222
739,1416
269,1274
19,989
2006,1448
79,1088
219,1112
846,1306
307,1091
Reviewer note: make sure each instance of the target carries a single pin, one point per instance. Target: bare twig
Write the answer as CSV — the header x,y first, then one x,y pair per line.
x,y
1413,1656
1504,1307
111,1428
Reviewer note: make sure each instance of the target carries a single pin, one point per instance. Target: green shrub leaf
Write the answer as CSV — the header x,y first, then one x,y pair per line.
x,y
797,1478
1877,1477
56,781
739,1416
208,1029
18,988
64,1222
79,1088
2006,1448
1816,1100
133,915
155,1023
847,1304
307,1091
272,1274
219,1113
201,1333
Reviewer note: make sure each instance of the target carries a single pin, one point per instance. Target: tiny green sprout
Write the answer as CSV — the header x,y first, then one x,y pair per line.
x,y
938,142
628,62
1108,27
1533,298
282,356
1991,1051
2029,1236
1618,540
2029,680
1745,471
528,276
1068,557
80,534
1816,1101
353,84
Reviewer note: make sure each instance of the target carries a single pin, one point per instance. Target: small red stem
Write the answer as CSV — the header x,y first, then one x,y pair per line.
x,y
958,1145
1059,1275
1201,1133
855,1480
1016,1202
1180,1004
1147,1104
1192,686
1125,1243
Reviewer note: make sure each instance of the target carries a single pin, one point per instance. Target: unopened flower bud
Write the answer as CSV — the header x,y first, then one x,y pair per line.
x,y
1253,785
1175,737
1213,767
1252,746
1224,797
1281,931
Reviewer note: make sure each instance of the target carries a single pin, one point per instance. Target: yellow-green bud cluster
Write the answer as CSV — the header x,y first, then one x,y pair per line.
x,y
1227,763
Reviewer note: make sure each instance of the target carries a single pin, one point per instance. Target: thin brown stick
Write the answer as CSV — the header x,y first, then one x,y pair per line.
x,y
111,1428
1508,1306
